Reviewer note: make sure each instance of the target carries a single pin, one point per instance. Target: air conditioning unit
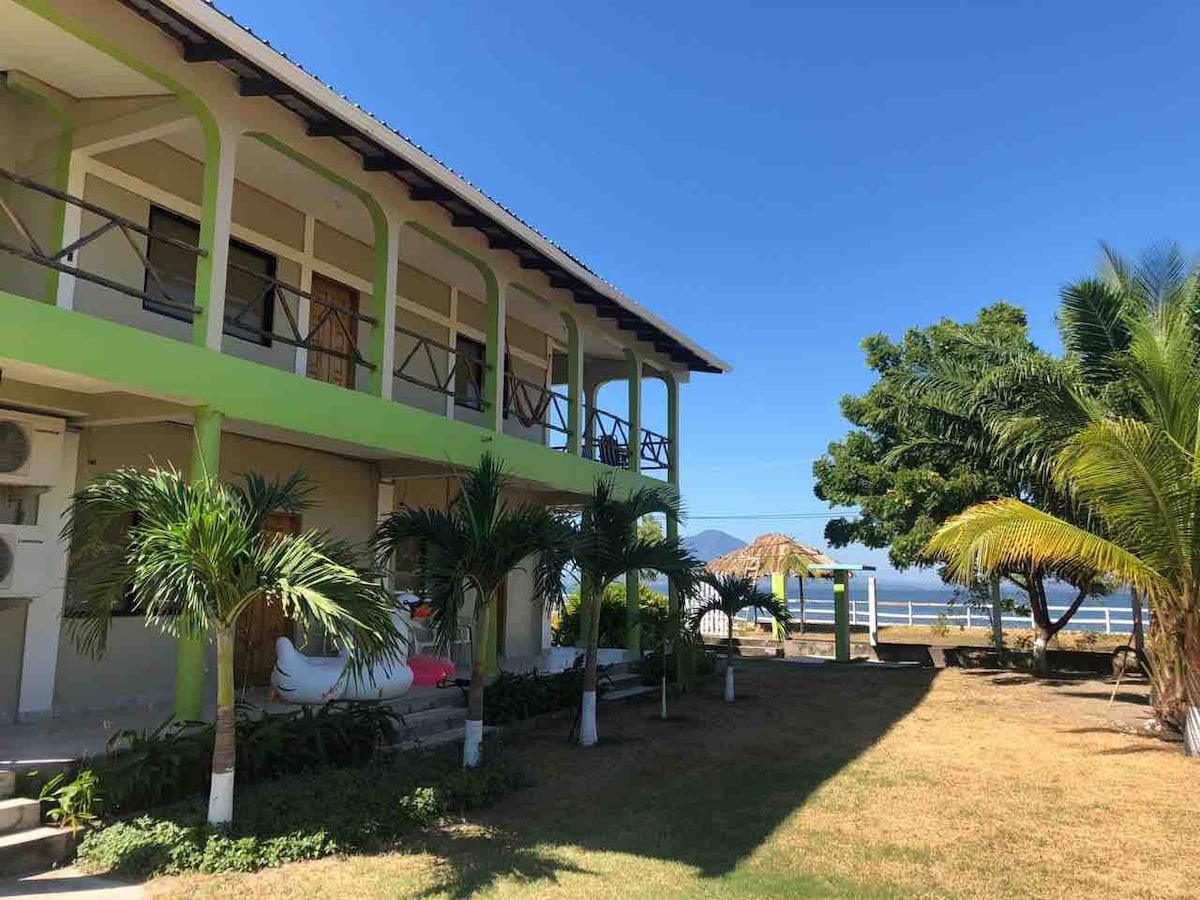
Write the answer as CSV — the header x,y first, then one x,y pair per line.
x,y
31,448
23,555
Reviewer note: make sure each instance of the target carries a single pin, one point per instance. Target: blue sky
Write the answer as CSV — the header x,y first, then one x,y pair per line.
x,y
780,180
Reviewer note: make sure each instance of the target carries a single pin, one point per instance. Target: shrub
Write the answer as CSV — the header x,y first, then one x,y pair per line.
x,y
513,697
305,816
173,761
613,620
73,803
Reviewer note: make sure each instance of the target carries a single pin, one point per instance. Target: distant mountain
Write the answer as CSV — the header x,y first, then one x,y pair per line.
x,y
708,545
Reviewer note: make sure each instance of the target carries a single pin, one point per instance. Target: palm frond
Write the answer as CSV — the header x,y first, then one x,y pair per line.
x,y
1004,536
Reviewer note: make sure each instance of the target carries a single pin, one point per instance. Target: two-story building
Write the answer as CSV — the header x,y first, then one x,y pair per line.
x,y
210,259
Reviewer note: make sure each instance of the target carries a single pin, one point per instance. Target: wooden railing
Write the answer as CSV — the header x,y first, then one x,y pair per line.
x,y
287,299
65,260
655,451
534,405
606,438
442,369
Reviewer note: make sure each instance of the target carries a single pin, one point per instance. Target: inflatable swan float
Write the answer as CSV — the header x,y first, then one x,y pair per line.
x,y
297,678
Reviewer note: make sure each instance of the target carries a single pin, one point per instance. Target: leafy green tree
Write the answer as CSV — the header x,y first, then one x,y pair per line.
x,y
905,476
729,595
193,556
469,550
1131,466
960,414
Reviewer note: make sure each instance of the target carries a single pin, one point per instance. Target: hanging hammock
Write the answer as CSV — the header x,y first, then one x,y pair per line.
x,y
528,413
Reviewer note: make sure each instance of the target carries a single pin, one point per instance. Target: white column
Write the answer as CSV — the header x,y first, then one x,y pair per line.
x,y
213,305
71,229
39,662
872,612
304,305
387,361
452,356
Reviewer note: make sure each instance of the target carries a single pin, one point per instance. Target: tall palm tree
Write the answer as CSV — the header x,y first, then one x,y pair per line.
x,y
604,544
1138,476
470,549
193,556
729,595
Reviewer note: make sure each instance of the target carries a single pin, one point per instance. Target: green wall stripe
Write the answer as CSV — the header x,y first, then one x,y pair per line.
x,y
140,361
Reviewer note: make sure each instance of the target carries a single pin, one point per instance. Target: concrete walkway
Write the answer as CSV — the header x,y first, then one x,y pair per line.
x,y
69,883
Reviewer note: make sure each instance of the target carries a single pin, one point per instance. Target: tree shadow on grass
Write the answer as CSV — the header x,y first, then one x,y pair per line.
x,y
705,791
475,858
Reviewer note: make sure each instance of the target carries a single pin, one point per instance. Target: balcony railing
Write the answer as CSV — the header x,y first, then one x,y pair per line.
x,y
279,312
442,371
535,405
656,451
332,329
31,250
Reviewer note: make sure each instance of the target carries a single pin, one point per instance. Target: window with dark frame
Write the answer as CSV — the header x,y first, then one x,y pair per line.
x,y
248,294
471,356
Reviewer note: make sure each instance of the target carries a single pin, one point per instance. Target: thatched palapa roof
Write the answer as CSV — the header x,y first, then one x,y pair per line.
x,y
772,554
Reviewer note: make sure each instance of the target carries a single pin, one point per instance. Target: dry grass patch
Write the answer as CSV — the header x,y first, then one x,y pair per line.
x,y
819,782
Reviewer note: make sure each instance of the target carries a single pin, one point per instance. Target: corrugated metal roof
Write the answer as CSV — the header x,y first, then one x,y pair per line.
x,y
174,17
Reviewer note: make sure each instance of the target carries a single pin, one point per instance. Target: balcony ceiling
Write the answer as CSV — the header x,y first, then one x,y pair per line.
x,y
30,44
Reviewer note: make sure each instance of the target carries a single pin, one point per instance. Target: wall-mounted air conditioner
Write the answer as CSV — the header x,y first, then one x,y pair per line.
x,y
31,448
23,554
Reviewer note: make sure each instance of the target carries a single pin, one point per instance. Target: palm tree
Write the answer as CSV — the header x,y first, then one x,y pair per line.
x,y
471,548
729,595
1138,476
604,544
193,556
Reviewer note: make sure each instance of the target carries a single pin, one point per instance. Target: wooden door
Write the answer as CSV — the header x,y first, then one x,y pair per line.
x,y
333,313
261,624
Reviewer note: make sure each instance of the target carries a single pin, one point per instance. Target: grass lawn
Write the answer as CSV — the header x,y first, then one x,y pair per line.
x,y
819,782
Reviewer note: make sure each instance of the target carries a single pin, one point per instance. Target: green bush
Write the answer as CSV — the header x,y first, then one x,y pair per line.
x,y
613,618
146,769
513,697
305,816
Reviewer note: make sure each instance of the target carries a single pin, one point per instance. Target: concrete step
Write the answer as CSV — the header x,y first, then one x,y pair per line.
x,y
8,783
427,698
757,650
627,693
35,850
19,814
449,736
431,721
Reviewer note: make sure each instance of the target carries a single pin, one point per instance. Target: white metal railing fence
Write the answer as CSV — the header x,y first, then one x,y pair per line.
x,y
1101,619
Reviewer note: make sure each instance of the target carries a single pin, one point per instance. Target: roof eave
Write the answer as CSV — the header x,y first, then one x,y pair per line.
x,y
205,17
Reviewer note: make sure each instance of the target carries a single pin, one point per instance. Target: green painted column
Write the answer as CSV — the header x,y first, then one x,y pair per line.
x,y
574,385
841,616
193,651
633,608
491,665
779,589
672,385
633,611
57,175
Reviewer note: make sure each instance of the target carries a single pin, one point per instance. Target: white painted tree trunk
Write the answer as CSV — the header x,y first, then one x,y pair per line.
x,y
1191,731
729,683
472,740
587,720
220,799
